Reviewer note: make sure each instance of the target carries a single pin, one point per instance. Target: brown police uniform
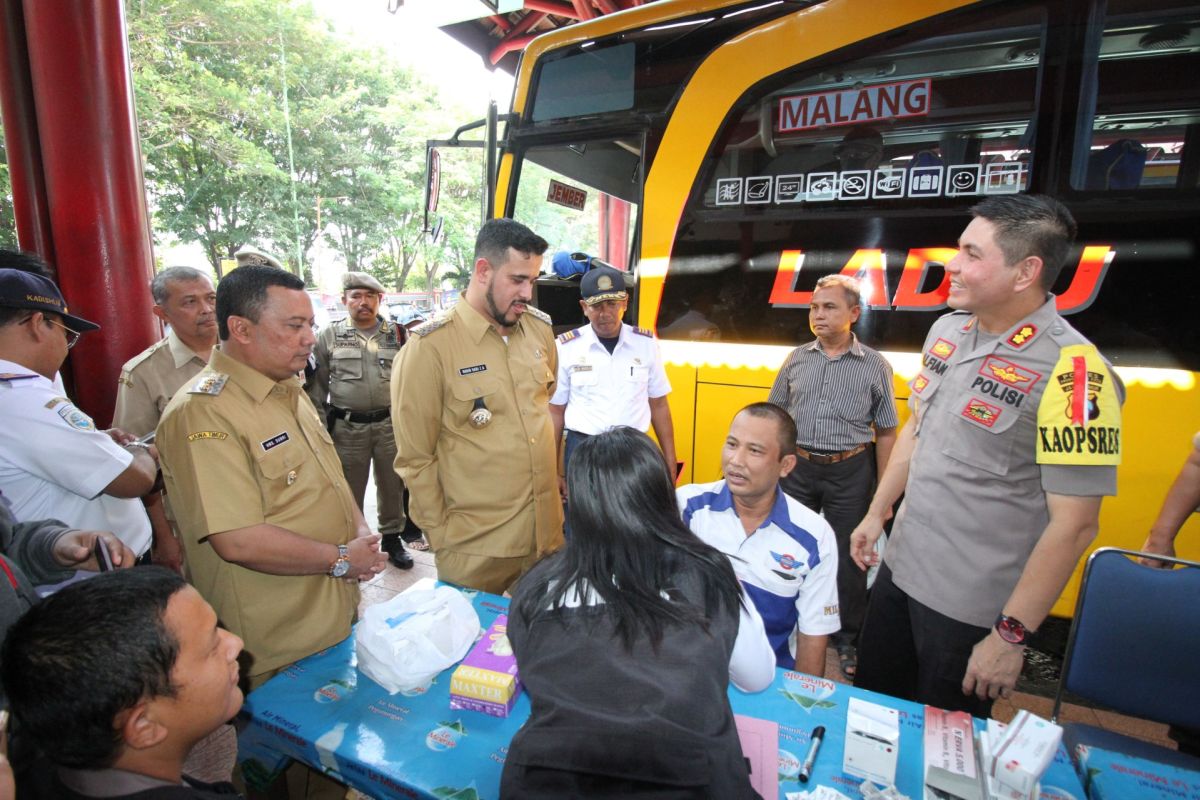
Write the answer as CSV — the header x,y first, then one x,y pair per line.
x,y
351,387
475,444
149,380
239,449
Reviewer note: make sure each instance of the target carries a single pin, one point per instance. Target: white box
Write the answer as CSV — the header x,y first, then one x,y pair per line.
x,y
951,768
872,741
1024,751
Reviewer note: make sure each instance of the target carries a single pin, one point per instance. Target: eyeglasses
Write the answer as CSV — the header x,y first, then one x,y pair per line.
x,y
72,336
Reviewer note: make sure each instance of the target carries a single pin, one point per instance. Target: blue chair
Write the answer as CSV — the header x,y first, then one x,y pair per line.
x,y
1135,648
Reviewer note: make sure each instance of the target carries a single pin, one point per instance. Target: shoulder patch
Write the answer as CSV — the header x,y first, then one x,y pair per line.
x,y
563,338
1079,418
539,314
427,328
644,332
198,435
132,363
75,418
209,383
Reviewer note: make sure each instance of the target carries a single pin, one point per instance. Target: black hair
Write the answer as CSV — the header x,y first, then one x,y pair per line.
x,y
160,286
85,654
630,545
243,293
1030,225
497,235
785,425
22,261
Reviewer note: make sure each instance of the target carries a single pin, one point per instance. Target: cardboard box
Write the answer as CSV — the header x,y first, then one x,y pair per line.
x,y
872,741
487,678
1024,751
951,767
988,740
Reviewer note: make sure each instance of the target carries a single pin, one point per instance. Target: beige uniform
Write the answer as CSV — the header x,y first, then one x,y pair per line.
x,y
149,380
351,385
486,497
239,449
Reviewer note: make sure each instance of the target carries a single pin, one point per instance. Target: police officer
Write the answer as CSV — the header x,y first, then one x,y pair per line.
x,y
350,389
609,373
1013,442
475,443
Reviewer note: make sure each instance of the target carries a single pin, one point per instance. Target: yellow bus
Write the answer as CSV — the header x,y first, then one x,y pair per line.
x,y
731,153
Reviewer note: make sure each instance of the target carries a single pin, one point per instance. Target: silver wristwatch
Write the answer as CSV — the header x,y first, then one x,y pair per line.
x,y
339,568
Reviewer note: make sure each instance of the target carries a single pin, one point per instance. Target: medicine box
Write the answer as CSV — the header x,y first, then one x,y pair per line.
x,y
1024,751
487,678
872,741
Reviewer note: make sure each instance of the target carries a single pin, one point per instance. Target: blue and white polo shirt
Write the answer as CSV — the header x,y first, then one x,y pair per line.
x,y
788,566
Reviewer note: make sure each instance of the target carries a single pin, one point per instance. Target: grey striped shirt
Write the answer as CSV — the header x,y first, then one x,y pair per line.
x,y
836,401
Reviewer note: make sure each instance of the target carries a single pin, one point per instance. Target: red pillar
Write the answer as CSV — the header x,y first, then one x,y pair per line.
x,y
91,162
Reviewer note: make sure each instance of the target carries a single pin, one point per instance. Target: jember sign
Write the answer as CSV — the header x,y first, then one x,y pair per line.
x,y
854,106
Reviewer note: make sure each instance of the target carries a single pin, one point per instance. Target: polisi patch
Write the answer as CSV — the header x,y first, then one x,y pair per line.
x,y
274,441
1010,374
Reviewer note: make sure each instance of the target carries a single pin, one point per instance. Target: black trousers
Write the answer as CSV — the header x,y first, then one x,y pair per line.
x,y
910,651
842,492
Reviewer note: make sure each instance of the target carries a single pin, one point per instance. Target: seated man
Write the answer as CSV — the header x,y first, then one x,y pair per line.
x,y
115,701
784,554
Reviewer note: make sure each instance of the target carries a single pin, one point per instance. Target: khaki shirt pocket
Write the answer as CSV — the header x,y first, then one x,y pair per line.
x,y
345,364
277,464
465,391
979,433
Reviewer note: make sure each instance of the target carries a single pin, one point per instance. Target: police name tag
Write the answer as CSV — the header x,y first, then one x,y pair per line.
x,y
473,370
275,440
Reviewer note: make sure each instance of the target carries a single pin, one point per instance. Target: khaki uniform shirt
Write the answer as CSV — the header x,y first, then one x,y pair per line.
x,y
239,449
1001,422
149,380
472,489
354,368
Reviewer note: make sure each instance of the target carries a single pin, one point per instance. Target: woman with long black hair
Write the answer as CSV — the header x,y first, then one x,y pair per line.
x,y
626,641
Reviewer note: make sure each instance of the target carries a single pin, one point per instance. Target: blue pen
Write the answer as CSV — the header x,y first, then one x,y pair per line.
x,y
818,735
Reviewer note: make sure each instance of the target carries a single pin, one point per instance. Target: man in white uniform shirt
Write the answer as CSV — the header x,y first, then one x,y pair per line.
x,y
609,373
53,461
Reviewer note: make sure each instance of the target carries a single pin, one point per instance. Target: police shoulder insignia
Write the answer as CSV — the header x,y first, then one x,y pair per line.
x,y
1025,333
539,314
431,326
140,358
644,332
209,383
9,377
75,418
1079,417
563,338
53,401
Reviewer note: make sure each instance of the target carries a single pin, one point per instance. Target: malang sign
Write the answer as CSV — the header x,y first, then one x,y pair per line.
x,y
854,106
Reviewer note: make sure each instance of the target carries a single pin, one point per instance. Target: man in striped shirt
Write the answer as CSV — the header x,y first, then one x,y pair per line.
x,y
839,392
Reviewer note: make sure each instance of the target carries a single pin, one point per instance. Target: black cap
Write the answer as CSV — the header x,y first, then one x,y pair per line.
x,y
20,289
602,283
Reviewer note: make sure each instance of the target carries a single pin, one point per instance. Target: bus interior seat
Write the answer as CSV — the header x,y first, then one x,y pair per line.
x,y
1118,166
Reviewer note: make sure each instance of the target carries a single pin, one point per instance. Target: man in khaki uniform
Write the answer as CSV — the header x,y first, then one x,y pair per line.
x,y
475,442
184,299
350,389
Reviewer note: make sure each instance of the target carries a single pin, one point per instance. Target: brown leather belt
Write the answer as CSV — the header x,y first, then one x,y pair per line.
x,y
830,458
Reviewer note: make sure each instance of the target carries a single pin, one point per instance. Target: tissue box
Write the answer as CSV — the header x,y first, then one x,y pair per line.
x,y
1024,751
872,741
487,678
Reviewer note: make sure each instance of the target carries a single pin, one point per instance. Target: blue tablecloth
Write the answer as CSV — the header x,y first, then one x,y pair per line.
x,y
323,712
1113,776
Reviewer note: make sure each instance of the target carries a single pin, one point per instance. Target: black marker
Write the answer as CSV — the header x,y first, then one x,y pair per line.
x,y
818,735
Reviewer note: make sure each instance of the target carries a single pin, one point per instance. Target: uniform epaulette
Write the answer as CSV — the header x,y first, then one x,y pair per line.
x,y
429,327
644,332
8,377
132,363
209,383
539,314
563,338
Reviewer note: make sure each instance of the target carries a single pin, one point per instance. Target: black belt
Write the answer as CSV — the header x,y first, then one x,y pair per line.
x,y
828,458
378,415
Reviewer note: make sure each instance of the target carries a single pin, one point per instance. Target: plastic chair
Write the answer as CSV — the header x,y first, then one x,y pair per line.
x,y
1134,646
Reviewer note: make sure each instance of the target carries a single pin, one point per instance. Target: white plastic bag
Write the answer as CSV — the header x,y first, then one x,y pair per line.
x,y
404,643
